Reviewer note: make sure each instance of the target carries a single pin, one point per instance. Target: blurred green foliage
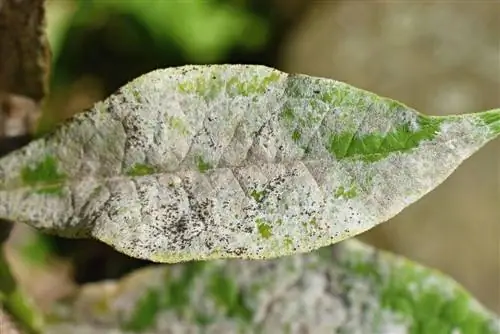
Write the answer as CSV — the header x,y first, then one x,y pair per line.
x,y
37,248
115,41
123,39
205,30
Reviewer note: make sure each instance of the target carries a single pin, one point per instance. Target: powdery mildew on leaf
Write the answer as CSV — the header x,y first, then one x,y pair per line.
x,y
354,289
201,162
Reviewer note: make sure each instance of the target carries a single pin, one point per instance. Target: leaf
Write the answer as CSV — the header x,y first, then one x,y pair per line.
x,y
206,162
352,288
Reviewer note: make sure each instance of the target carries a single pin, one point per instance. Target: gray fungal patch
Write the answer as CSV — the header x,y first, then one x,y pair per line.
x,y
229,153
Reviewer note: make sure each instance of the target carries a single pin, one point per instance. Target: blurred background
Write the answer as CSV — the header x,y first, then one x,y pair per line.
x,y
440,57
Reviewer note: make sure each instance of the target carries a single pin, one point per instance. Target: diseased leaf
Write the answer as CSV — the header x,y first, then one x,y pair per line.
x,y
205,162
351,288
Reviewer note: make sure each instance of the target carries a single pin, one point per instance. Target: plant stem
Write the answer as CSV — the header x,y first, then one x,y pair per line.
x,y
15,302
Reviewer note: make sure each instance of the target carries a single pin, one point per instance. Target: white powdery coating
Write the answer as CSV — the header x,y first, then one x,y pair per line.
x,y
298,294
294,295
231,176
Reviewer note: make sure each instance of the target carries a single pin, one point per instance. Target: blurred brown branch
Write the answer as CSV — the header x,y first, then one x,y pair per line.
x,y
24,70
24,52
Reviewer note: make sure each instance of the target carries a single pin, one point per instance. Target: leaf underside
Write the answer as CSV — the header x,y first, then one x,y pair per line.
x,y
351,288
221,161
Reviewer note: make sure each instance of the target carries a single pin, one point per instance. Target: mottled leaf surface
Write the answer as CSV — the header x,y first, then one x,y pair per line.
x,y
205,162
351,288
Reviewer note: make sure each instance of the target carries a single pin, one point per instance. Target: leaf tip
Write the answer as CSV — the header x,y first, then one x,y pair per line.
x,y
491,118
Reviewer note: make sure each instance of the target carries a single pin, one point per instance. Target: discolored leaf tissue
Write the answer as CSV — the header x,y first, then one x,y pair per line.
x,y
221,161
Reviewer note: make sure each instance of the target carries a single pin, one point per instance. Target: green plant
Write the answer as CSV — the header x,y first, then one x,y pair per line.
x,y
239,177
204,162
244,161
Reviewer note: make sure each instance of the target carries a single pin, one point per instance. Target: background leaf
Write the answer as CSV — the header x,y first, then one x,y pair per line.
x,y
201,162
351,288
